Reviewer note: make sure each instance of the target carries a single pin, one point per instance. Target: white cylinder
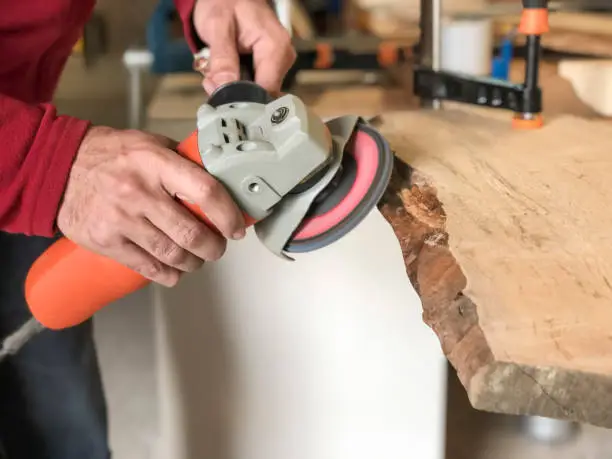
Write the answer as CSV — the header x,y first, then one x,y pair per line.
x,y
467,45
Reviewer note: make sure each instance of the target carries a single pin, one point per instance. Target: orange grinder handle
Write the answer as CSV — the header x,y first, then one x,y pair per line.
x,y
68,284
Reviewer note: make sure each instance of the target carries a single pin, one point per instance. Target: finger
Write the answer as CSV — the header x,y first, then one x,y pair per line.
x,y
150,238
139,260
191,182
271,65
224,61
185,230
273,56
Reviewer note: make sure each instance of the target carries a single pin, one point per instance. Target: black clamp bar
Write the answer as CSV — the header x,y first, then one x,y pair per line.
x,y
486,92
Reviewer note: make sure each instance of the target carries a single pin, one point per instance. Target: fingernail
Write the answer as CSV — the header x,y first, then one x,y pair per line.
x,y
239,234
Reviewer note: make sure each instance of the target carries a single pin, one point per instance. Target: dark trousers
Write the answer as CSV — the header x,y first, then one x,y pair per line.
x,y
52,404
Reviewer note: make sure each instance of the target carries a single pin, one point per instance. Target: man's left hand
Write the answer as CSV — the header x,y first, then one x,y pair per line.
x,y
230,27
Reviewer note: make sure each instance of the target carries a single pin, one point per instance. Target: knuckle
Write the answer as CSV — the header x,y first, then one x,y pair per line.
x,y
151,269
217,12
282,38
105,232
103,235
291,54
133,132
285,41
209,189
168,252
127,189
136,134
216,250
175,255
189,235
113,217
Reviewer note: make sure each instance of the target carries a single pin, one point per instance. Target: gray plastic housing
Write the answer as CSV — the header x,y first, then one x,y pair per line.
x,y
262,152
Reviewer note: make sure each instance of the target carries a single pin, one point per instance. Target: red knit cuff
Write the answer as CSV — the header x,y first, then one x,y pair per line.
x,y
55,159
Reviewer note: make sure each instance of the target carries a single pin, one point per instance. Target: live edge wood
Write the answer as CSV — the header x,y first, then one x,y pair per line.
x,y
507,238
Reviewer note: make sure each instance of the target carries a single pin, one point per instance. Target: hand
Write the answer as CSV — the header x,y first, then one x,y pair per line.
x,y
230,27
120,202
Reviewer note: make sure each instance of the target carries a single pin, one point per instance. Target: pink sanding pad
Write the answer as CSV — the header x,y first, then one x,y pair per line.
x,y
366,156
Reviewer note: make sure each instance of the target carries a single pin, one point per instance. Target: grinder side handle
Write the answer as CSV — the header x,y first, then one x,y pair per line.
x,y
68,284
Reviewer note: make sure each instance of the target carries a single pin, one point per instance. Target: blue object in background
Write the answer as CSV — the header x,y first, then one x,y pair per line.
x,y
169,54
500,68
335,6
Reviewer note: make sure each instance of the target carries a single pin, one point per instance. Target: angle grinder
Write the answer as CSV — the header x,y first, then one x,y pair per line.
x,y
302,183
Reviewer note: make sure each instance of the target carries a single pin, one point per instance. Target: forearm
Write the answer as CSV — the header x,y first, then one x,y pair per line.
x,y
38,148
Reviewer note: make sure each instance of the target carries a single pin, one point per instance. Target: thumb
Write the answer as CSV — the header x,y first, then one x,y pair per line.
x,y
224,61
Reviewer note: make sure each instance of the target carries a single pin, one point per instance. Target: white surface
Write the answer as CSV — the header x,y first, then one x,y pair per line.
x,y
125,337
467,46
323,358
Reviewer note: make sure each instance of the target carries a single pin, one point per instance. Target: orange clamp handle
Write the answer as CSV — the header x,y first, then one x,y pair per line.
x,y
534,21
68,284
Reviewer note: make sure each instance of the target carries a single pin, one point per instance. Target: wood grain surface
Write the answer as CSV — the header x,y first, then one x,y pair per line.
x,y
506,236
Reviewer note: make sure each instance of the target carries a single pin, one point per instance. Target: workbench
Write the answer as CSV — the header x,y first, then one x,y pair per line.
x,y
504,236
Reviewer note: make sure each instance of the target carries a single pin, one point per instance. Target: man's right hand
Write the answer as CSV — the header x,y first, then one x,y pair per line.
x,y
120,201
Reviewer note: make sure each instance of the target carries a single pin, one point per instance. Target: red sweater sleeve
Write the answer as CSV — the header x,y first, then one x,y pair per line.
x,y
185,10
38,148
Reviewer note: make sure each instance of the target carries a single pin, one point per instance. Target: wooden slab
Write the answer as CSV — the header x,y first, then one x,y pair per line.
x,y
507,239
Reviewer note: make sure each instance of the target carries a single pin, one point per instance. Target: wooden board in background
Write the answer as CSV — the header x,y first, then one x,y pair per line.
x,y
592,82
570,32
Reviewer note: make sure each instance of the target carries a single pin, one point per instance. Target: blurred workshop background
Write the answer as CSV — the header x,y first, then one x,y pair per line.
x,y
132,69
